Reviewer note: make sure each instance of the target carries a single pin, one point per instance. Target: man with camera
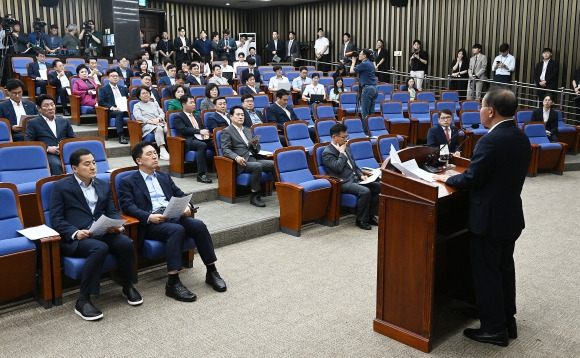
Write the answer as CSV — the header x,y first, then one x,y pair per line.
x,y
19,39
418,63
70,41
367,83
37,37
90,37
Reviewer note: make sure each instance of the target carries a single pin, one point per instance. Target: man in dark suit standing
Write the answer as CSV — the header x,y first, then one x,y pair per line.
x,y
546,74
255,56
16,107
338,161
292,48
197,138
76,202
495,178
346,50
181,46
107,98
144,195
227,47
444,133
250,70
275,48
60,79
38,71
50,130
239,145
547,115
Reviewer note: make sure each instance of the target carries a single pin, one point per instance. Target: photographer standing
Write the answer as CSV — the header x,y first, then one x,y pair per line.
x,y
70,41
418,63
90,37
367,83
19,39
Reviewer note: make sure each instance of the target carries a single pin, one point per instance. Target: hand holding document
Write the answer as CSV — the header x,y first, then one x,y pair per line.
x,y
375,173
410,167
176,206
103,223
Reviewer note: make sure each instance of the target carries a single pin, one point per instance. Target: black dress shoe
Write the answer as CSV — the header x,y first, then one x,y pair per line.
x,y
512,328
255,200
133,297
499,339
180,293
214,280
65,112
203,179
123,140
86,310
374,221
363,225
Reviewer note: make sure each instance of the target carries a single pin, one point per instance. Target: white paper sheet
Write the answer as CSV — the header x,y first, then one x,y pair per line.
x,y
38,232
121,103
43,74
375,174
103,223
265,153
176,206
410,167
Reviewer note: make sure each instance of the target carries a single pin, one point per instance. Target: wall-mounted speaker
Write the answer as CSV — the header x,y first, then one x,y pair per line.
x,y
48,3
399,2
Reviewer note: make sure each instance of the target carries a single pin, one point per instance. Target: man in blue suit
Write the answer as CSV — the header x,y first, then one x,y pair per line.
x,y
144,195
76,202
495,178
107,97
444,133
254,56
251,70
227,46
220,117
34,71
16,107
280,112
168,80
125,71
50,130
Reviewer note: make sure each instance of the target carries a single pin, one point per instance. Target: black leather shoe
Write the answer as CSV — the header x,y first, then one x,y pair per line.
x,y
499,339
374,221
512,328
123,140
255,200
203,179
86,310
214,280
180,293
66,112
363,225
133,297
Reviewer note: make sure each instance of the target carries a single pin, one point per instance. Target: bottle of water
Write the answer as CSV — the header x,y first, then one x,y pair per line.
x,y
111,53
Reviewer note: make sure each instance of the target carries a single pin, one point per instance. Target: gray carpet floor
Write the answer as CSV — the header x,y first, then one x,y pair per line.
x,y
315,296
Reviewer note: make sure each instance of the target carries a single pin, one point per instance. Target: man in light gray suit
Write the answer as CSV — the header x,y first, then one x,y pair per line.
x,y
346,50
237,144
476,71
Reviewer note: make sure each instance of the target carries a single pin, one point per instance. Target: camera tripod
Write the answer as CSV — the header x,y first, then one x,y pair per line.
x,y
9,43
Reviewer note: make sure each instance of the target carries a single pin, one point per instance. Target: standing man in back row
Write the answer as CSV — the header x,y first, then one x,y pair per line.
x,y
418,63
322,51
476,71
503,65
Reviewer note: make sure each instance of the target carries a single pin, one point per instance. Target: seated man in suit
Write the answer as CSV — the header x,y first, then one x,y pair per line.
x,y
60,79
195,78
251,70
50,130
251,116
144,195
38,71
239,145
339,162
220,117
217,77
254,56
444,133
94,71
197,138
147,81
76,202
107,98
125,71
250,87
280,112
16,107
168,80
548,116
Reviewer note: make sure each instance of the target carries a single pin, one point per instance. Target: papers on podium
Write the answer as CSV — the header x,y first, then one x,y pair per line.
x,y
38,232
176,206
103,223
410,167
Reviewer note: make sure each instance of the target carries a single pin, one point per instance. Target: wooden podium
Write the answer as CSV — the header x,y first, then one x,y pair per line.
x,y
423,251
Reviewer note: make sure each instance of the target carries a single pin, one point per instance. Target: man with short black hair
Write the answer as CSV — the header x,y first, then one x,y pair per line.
x,y
227,47
418,64
60,79
504,64
220,117
217,76
147,81
321,50
476,71
444,133
168,80
15,108
53,42
255,56
94,40
275,48
367,83
251,116
292,48
346,50
546,74
108,97
165,46
125,70
250,70
38,71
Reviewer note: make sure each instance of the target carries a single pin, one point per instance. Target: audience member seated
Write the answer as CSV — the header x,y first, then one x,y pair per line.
x,y
16,107
274,82
250,70
217,76
143,69
85,87
340,71
314,88
147,81
212,92
38,71
188,125
125,71
227,68
280,112
108,97
444,133
548,116
220,117
251,87
240,62
94,71
168,80
238,144
76,202
410,87
257,58
185,68
251,116
339,162
153,119
336,90
52,40
60,79
135,200
195,78
50,130
301,80
176,92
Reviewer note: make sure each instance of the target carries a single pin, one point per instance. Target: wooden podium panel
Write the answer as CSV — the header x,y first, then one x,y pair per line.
x,y
421,248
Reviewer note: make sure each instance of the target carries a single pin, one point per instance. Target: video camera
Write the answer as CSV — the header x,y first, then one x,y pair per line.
x,y
87,25
7,22
357,51
38,25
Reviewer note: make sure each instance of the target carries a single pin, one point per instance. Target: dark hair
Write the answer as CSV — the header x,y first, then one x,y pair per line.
x,y
216,65
463,52
417,42
181,76
407,82
276,68
180,28
214,34
292,32
43,97
302,68
319,29
341,67
202,31
92,58
175,88
281,92
209,87
137,150
241,54
53,26
547,49
446,111
185,62
166,61
75,157
55,62
226,32
548,95
217,99
315,74
368,53
14,83
82,66
504,47
251,61
503,101
245,96
111,70
183,99
276,31
142,62
40,52
337,128
335,89
224,57
170,67
234,108
477,46
146,74
250,75
195,64
140,89
382,42
346,34
252,48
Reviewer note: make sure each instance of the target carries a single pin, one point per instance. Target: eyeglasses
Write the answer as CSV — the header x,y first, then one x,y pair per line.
x,y
445,118
344,137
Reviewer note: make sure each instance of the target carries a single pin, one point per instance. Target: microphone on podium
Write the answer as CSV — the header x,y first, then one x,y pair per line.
x,y
430,162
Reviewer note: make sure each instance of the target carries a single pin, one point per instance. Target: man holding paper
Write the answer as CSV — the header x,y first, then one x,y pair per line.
x,y
339,162
76,203
38,71
114,98
145,195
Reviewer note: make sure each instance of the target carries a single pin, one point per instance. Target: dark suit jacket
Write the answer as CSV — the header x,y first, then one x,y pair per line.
x,y
294,50
248,121
256,74
231,56
280,51
54,81
184,128
164,81
34,69
7,111
233,145
179,54
69,211
276,114
214,121
191,80
107,98
551,73
256,57
336,165
129,73
349,48
38,130
248,89
436,137
495,178
134,198
552,124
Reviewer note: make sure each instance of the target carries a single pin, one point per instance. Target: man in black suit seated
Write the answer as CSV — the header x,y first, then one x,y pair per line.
x,y
60,79
251,116
14,108
495,178
107,98
38,71
239,145
125,71
251,87
254,56
444,133
220,117
280,112
195,78
147,81
547,115
76,202
251,70
50,130
144,195
339,162
197,138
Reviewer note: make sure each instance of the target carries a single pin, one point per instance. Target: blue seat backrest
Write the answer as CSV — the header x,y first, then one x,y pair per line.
x,y
15,170
171,120
347,98
263,69
261,101
449,96
386,88
348,81
385,146
320,164
4,133
303,114
120,177
75,61
269,139
132,104
19,65
71,68
376,126
95,146
266,76
233,101
426,96
239,70
404,97
136,81
297,135
45,191
326,81
469,118
9,219
166,104
323,129
362,153
470,105
434,118
197,91
325,112
523,117
536,133
446,105
226,90
419,109
286,69
392,109
560,118
292,75
206,115
218,138
293,167
355,128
